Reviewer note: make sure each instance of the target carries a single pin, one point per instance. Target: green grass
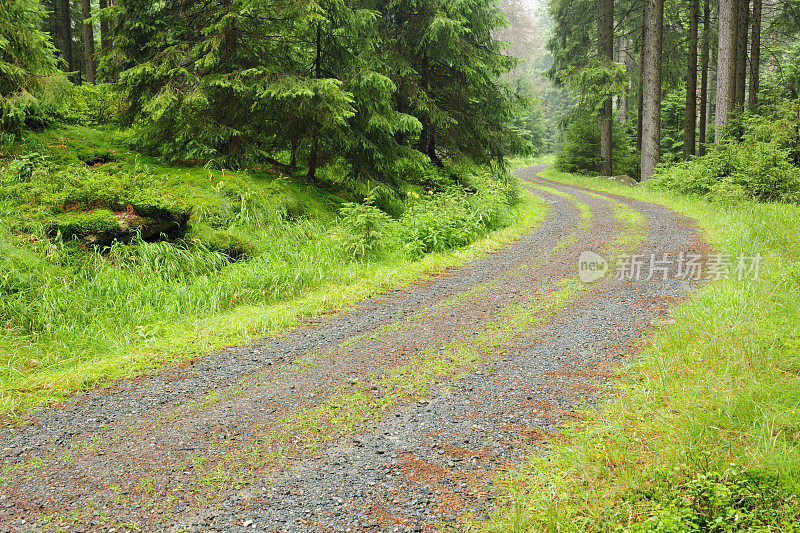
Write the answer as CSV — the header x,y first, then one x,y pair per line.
x,y
702,430
263,251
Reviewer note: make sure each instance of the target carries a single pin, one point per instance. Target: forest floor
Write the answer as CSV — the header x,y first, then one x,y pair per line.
x,y
400,413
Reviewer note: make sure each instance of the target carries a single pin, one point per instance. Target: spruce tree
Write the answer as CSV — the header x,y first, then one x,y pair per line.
x,y
28,74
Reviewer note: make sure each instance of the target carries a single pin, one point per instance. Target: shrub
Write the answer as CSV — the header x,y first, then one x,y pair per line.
x,y
581,150
95,105
736,171
366,230
720,502
449,220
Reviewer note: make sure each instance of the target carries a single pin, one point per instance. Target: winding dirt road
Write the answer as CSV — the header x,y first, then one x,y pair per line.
x,y
398,414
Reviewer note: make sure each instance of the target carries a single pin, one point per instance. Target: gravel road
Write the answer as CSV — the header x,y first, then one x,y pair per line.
x,y
398,414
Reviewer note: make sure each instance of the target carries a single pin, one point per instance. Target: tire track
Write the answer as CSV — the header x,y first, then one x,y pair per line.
x,y
397,414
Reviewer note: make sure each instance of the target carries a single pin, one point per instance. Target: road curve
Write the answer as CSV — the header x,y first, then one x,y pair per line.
x,y
398,414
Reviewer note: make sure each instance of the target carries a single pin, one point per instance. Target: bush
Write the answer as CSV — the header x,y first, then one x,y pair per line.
x,y
366,230
720,502
449,220
736,171
581,151
95,105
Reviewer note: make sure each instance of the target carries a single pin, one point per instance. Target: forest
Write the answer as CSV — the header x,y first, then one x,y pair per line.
x,y
193,182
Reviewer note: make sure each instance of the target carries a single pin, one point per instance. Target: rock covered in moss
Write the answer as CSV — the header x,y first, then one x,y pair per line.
x,y
102,226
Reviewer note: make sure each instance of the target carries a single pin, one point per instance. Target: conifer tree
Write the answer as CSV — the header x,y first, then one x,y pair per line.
x,y
28,73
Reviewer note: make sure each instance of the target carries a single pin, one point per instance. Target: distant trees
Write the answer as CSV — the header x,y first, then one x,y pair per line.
x,y
704,65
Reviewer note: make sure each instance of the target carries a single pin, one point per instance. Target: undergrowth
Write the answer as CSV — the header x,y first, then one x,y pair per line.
x,y
255,251
702,430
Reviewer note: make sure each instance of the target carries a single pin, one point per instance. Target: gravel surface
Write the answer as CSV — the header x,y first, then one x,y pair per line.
x,y
196,447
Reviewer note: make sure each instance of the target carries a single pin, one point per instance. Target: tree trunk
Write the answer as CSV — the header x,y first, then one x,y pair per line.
x,y
66,33
426,134
651,86
640,96
105,36
53,25
605,51
624,55
704,53
726,65
88,40
312,156
755,55
690,117
742,22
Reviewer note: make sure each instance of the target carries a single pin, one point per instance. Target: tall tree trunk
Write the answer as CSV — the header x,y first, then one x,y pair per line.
x,y
690,118
66,33
755,55
704,53
53,26
312,156
651,86
624,57
742,22
88,40
640,103
605,51
726,65
425,135
105,36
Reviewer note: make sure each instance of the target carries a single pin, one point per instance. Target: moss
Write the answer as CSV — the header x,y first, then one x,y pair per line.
x,y
291,207
84,224
223,242
156,204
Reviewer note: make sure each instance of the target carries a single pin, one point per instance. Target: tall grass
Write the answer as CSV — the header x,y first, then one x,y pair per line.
x,y
71,314
703,434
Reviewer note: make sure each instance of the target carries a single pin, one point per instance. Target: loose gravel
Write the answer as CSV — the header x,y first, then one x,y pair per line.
x,y
130,456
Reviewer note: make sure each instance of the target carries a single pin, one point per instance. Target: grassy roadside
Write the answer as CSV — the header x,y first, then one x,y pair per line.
x,y
702,429
182,338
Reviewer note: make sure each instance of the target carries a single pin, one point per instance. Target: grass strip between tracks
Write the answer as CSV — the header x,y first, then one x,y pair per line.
x,y
702,429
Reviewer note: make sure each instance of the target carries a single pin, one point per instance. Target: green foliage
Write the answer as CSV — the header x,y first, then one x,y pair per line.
x,y
222,242
722,502
580,152
596,82
761,166
673,110
367,230
439,222
736,171
528,117
335,81
94,105
31,88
